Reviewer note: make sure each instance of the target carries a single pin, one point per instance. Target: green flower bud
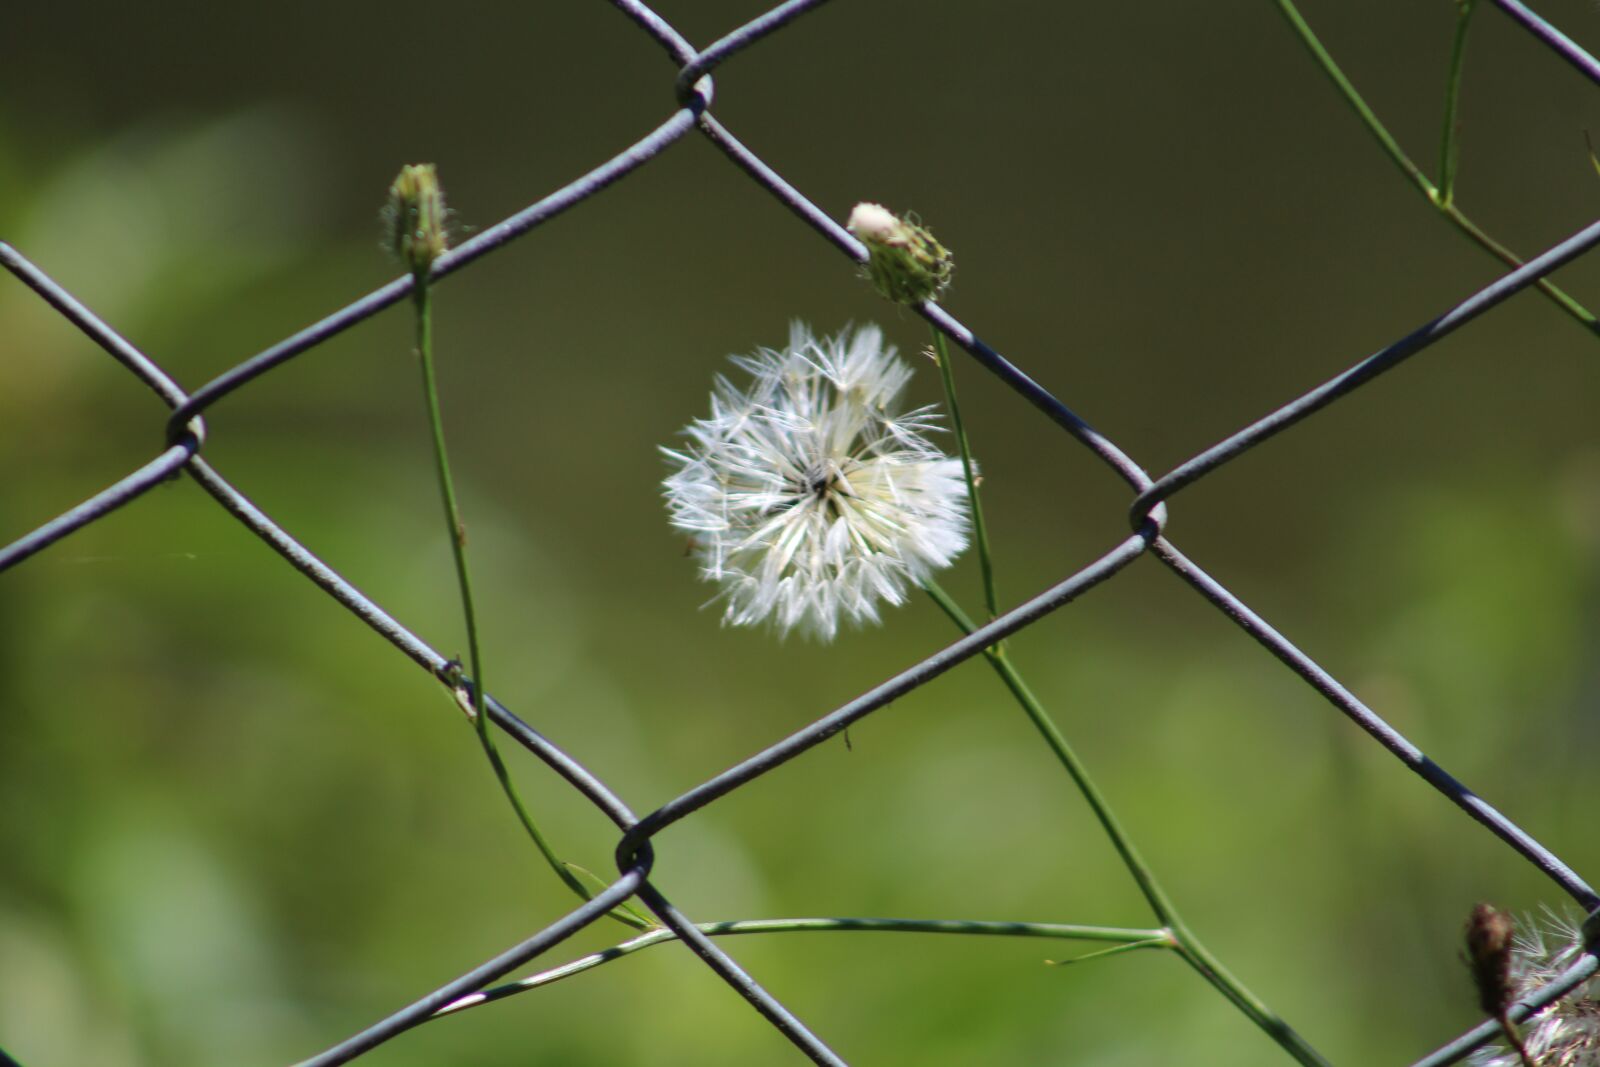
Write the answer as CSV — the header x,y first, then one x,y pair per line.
x,y
415,216
905,264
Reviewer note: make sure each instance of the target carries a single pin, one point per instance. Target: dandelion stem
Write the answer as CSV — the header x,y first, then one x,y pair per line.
x,y
1185,942
1434,195
423,301
1124,939
980,531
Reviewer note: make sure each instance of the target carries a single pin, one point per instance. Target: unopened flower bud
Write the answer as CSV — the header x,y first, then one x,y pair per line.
x,y
1489,938
1564,1034
415,217
905,264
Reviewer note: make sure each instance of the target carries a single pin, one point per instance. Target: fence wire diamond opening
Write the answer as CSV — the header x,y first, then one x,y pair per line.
x,y
183,453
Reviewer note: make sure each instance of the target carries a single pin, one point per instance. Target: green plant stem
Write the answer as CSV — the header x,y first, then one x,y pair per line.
x,y
1184,941
980,531
1435,195
1124,938
1182,938
422,298
1449,145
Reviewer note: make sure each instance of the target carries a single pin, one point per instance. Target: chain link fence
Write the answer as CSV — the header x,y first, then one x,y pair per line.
x,y
183,453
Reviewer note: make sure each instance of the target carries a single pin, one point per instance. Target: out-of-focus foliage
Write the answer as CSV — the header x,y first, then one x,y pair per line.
x,y
237,826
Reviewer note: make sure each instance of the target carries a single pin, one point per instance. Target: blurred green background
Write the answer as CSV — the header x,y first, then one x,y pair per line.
x,y
237,826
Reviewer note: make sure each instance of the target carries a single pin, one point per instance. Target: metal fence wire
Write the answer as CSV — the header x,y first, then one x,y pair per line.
x,y
183,453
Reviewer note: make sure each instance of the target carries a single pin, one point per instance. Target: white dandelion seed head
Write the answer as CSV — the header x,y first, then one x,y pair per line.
x,y
1567,1033
809,495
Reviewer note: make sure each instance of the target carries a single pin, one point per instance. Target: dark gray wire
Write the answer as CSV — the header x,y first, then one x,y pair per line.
x,y
719,961
164,466
1192,470
302,560
1487,1031
928,669
479,245
329,580
743,37
1558,42
418,1011
1152,507
187,438
778,186
1002,368
987,357
93,326
1380,731
102,503
296,554
678,47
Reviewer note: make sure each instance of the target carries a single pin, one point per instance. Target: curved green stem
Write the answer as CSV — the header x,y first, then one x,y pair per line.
x,y
1434,195
1143,877
1185,942
1391,147
422,298
980,531
1125,939
1449,146
1183,939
